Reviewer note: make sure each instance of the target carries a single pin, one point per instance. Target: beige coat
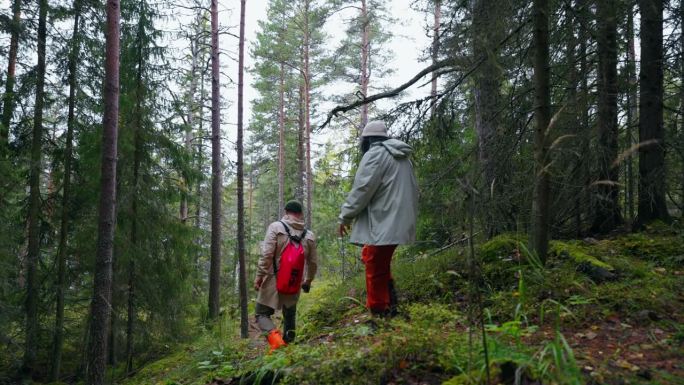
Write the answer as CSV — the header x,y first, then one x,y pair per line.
x,y
272,247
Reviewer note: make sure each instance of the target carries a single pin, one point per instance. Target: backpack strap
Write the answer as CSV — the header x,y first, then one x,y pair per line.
x,y
295,238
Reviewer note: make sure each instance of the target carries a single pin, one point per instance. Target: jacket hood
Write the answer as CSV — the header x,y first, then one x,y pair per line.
x,y
397,148
293,222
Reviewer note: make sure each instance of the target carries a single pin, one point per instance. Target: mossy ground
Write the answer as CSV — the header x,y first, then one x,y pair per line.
x,y
554,324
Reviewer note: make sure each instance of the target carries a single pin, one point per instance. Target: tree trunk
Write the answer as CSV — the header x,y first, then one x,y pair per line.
x,y
34,200
100,308
540,206
188,130
652,186
215,268
607,208
632,103
281,141
435,53
113,324
365,55
681,105
307,115
137,158
58,335
244,332
582,201
573,126
8,99
301,162
200,143
487,31
130,306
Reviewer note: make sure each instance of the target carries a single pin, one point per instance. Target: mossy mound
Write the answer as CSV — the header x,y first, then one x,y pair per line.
x,y
502,247
363,350
576,252
662,249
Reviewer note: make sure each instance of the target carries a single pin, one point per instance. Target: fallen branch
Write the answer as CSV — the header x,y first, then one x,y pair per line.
x,y
450,245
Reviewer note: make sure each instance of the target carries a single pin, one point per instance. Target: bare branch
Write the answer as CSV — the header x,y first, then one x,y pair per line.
x,y
432,68
387,94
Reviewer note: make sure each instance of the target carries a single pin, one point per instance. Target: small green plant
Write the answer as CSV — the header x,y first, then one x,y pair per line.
x,y
564,369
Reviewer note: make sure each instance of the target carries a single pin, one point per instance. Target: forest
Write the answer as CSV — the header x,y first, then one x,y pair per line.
x,y
146,146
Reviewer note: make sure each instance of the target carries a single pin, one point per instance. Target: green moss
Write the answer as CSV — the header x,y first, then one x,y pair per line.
x,y
169,369
209,357
432,314
428,279
472,378
662,228
662,249
575,252
501,246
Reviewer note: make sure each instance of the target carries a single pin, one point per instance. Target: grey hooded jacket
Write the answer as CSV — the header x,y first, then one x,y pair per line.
x,y
383,202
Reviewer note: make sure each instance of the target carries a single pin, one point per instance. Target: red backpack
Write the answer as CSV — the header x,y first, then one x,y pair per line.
x,y
289,275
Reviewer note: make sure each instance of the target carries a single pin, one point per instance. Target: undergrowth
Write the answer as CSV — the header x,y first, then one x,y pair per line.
x,y
527,312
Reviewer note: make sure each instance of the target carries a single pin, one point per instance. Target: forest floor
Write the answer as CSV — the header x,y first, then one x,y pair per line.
x,y
607,311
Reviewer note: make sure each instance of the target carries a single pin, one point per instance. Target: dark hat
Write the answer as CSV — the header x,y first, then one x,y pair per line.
x,y
293,206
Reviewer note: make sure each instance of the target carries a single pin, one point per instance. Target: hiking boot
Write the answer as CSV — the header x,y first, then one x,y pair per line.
x,y
381,314
289,336
394,302
275,340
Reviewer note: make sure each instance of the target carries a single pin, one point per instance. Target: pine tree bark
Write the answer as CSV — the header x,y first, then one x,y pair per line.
x,y
540,206
244,332
365,55
34,200
607,207
58,335
281,141
102,283
632,113
652,204
307,115
215,267
301,156
8,99
112,358
435,53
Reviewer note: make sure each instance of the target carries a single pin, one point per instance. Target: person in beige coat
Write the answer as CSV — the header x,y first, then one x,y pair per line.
x,y
268,298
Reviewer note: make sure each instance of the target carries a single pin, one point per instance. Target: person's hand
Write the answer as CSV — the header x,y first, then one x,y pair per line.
x,y
343,229
306,286
257,283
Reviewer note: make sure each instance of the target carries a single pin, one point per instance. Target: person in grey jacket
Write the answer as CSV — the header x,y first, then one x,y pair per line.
x,y
383,207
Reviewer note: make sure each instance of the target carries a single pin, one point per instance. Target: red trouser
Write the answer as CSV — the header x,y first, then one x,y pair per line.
x,y
377,260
